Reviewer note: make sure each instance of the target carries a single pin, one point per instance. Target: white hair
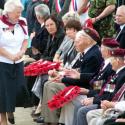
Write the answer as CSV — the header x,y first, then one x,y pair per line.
x,y
122,7
71,15
81,33
11,5
42,10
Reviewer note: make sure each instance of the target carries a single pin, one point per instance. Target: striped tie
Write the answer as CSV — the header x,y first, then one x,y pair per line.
x,y
119,94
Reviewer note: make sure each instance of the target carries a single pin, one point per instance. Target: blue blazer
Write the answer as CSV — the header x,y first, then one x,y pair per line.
x,y
121,38
89,67
102,75
119,81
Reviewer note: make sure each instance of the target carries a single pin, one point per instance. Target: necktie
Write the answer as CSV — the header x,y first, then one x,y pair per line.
x,y
119,94
77,61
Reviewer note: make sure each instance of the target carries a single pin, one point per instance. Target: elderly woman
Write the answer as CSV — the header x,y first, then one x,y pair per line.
x,y
67,52
13,44
70,16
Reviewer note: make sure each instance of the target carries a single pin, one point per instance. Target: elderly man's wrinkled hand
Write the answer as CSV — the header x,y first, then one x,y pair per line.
x,y
87,101
72,73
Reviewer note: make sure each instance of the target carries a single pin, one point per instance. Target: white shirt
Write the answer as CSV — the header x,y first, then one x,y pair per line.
x,y
120,106
122,26
87,49
11,42
107,61
120,69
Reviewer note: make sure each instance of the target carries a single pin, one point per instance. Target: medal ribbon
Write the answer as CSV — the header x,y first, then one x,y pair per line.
x,y
119,94
110,80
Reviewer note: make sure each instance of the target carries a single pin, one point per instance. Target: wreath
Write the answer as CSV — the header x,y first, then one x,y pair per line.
x,y
40,67
63,97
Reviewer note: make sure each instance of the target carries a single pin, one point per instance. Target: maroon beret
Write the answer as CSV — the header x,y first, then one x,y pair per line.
x,y
92,33
118,52
110,42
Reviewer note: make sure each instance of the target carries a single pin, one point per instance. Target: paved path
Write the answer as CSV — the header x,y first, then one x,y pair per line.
x,y
22,117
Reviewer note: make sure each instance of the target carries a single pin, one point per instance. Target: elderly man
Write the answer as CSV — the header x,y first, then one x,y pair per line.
x,y
38,45
96,83
39,41
115,89
120,20
107,113
85,43
84,105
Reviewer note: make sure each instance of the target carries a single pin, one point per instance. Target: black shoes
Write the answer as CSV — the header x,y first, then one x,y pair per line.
x,y
11,120
40,119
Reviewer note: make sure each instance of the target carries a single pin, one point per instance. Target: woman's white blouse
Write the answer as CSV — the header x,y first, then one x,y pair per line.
x,y
11,42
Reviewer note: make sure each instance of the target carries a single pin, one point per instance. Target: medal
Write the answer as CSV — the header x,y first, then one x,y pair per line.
x,y
97,85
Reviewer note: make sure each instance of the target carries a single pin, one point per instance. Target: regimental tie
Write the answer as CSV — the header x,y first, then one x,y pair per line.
x,y
119,94
109,86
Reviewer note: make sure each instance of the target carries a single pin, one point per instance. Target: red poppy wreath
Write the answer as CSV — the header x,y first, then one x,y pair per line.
x,y
63,97
40,67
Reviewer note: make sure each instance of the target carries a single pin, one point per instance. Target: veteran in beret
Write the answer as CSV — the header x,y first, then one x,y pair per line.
x,y
114,90
89,63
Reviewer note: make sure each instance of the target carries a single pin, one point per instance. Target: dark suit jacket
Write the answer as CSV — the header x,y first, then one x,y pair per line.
x,y
108,95
102,75
2,2
90,64
53,45
33,24
40,40
121,38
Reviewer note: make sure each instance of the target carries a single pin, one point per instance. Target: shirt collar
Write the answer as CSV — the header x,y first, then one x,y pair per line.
x,y
107,61
122,26
87,49
42,25
120,69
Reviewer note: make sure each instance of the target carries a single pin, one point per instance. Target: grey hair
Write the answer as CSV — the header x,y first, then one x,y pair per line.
x,y
81,33
71,15
122,7
11,5
42,10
